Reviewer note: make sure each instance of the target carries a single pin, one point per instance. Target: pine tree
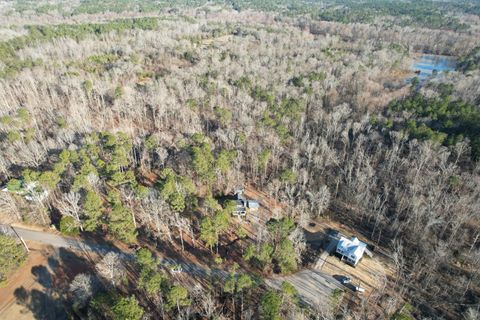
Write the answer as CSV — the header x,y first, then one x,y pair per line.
x,y
177,296
128,309
121,225
270,304
93,209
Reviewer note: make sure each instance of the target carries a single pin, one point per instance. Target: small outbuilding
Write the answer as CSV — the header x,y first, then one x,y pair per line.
x,y
351,250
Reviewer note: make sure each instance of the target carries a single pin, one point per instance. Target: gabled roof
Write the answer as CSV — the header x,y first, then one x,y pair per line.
x,y
351,248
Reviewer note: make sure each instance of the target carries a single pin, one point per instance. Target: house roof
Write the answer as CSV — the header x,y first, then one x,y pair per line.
x,y
253,204
351,247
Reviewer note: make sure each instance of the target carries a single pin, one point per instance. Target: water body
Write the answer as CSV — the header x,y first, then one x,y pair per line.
x,y
428,65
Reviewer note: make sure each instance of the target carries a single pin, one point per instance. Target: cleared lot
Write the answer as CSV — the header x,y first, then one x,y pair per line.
x,y
370,273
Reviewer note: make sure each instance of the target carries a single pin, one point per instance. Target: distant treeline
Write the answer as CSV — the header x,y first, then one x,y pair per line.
x,y
430,14
36,34
419,13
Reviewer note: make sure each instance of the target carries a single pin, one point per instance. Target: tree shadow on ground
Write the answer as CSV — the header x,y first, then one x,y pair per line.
x,y
43,276
41,304
316,240
49,301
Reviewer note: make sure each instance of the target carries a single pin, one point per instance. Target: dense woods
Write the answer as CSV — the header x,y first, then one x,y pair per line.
x,y
135,121
470,61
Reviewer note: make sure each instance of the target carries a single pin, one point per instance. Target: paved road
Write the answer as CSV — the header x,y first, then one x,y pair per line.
x,y
102,249
62,242
314,286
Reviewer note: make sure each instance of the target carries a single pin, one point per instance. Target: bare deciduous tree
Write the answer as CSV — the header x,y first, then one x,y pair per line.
x,y
111,268
82,288
70,205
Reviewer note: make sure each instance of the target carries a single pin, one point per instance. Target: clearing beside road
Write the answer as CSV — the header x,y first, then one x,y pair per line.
x,y
36,290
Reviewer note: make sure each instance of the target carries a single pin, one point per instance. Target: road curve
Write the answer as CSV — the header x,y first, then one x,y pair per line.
x,y
314,286
102,249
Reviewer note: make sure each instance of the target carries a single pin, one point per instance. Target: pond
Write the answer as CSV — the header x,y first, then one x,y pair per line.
x,y
428,65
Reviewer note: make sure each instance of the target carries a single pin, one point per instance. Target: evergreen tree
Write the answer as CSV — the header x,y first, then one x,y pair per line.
x,y
270,304
177,296
145,259
121,225
212,227
290,292
151,281
203,161
176,190
208,232
127,309
93,210
286,256
68,225
224,161
12,255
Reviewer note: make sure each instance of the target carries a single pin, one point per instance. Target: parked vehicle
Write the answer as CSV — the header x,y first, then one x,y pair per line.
x,y
359,289
346,280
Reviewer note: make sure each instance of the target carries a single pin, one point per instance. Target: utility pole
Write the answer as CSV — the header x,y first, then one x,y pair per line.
x,y
21,239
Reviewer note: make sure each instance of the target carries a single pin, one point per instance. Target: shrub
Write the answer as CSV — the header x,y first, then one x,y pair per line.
x,y
68,226
12,255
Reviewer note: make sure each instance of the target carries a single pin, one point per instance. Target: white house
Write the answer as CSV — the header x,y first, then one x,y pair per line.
x,y
351,249
243,205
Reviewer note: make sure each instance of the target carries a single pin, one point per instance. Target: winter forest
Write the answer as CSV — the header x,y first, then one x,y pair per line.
x,y
204,159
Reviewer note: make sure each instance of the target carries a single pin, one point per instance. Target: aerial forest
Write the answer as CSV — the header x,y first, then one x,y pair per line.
x,y
134,128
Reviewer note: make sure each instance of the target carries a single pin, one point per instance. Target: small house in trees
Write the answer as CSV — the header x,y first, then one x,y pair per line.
x,y
244,205
351,250
30,191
